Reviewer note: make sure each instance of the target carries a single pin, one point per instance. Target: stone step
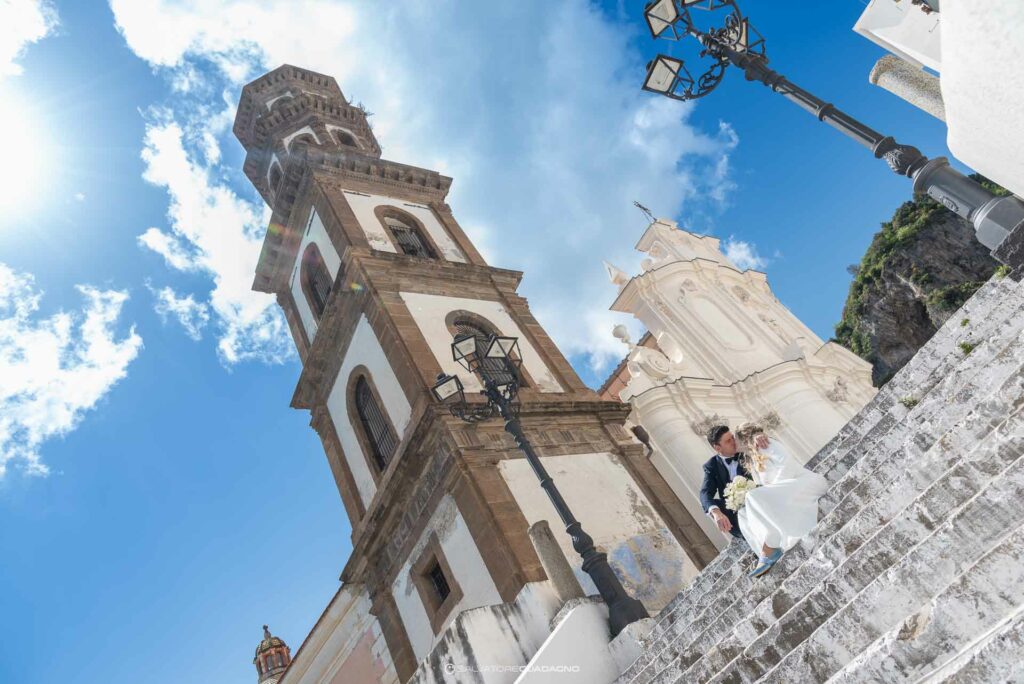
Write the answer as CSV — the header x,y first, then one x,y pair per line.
x,y
981,612
938,358
956,479
723,568
817,651
809,596
749,608
714,612
706,594
999,657
924,362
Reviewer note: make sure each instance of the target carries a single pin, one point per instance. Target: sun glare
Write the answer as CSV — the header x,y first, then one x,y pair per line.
x,y
26,158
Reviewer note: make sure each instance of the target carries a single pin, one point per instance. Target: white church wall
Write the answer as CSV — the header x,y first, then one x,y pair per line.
x,y
467,566
491,643
732,353
365,350
430,311
363,205
679,455
317,234
616,513
345,645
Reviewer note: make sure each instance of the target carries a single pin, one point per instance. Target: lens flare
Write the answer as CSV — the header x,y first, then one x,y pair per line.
x,y
27,152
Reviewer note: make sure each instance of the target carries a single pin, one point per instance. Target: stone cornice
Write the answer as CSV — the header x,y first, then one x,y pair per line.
x,y
332,168
628,291
773,373
432,459
346,305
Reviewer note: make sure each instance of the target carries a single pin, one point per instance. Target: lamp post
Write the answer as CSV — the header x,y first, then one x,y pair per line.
x,y
737,43
496,361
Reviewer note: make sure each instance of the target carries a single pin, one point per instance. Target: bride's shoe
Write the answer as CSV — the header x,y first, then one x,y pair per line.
x,y
765,563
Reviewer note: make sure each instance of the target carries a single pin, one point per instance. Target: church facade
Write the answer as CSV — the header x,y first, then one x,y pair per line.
x,y
720,348
375,277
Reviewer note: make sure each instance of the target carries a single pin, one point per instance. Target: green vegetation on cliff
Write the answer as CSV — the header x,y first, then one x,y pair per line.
x,y
914,274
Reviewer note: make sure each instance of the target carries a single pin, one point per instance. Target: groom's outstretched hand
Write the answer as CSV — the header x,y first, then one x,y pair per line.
x,y
721,520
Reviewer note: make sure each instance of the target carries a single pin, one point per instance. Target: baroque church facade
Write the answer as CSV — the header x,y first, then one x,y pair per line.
x,y
720,348
375,277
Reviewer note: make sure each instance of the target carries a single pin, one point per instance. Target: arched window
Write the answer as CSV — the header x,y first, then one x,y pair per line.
x,y
275,178
464,325
304,139
409,239
344,138
316,280
376,427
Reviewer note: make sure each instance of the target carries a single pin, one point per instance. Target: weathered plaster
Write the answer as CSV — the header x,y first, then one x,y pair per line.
x,y
466,564
363,205
613,510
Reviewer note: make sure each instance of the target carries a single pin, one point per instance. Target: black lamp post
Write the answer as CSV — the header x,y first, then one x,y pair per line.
x,y
737,43
496,361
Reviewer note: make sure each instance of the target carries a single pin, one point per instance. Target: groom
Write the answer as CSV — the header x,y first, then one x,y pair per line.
x,y
719,471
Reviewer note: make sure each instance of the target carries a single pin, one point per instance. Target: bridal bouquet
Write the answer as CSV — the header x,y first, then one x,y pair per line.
x,y
736,492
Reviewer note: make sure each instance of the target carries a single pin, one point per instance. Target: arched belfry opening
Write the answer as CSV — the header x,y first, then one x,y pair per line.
x,y
409,237
316,280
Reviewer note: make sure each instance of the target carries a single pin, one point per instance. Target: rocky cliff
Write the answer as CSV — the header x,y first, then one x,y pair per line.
x,y
920,267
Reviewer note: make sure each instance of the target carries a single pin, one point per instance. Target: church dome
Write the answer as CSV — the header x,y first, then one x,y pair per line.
x,y
269,641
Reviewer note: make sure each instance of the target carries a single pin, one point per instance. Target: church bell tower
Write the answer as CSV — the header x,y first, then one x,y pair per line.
x,y
375,277
272,658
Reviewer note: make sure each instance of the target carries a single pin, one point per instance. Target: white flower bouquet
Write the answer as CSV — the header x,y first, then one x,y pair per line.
x,y
736,492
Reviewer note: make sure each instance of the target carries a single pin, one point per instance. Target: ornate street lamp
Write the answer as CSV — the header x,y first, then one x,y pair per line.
x,y
734,42
496,361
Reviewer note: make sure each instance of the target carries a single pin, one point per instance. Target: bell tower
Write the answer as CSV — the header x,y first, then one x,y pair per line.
x,y
272,658
375,277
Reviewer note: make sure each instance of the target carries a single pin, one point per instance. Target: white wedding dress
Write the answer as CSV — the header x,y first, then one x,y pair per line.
x,y
784,507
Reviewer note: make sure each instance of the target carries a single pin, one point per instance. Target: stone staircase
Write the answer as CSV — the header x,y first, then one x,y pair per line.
x,y
915,571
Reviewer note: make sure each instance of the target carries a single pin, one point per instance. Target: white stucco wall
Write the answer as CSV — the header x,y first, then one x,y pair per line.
x,y
490,644
365,350
345,645
316,233
982,79
613,511
363,206
430,311
466,564
576,652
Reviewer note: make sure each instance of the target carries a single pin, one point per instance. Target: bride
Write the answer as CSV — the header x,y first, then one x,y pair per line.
x,y
784,506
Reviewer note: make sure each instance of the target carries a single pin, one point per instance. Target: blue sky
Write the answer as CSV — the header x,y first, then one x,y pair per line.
x,y
159,499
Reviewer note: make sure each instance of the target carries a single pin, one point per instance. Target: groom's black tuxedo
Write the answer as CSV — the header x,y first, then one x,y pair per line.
x,y
712,491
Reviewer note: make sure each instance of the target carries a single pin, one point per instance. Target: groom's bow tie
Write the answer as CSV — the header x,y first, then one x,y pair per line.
x,y
729,459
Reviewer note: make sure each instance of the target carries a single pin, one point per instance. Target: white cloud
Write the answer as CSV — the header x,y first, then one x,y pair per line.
x,y
537,113
222,233
744,254
22,22
53,370
170,248
80,196
192,315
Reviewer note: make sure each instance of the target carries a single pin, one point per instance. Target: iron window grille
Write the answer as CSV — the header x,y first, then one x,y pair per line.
x,y
410,241
318,280
376,427
439,582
